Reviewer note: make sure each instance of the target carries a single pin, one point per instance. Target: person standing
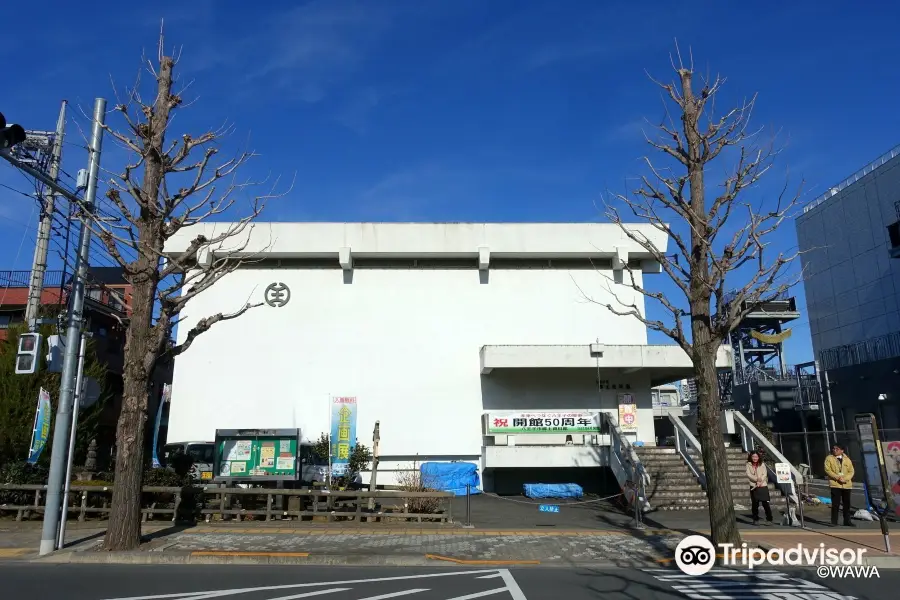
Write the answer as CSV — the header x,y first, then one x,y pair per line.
x,y
839,470
758,477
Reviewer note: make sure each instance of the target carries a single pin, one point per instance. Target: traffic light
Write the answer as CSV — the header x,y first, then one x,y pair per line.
x,y
10,135
27,357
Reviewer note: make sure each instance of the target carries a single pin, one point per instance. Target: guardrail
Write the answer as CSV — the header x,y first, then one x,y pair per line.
x,y
199,502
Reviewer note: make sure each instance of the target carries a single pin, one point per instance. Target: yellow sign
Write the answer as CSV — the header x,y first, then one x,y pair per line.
x,y
771,338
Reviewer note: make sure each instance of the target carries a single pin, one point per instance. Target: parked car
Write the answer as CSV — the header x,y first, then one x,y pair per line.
x,y
201,455
313,469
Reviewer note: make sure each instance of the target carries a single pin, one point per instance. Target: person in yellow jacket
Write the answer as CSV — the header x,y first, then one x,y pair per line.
x,y
839,470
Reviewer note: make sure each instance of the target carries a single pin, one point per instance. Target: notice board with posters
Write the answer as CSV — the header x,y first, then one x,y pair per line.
x,y
256,455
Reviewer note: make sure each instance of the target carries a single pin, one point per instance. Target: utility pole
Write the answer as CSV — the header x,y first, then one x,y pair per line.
x,y
78,401
39,265
58,458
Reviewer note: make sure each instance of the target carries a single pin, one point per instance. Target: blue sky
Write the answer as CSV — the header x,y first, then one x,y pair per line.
x,y
463,110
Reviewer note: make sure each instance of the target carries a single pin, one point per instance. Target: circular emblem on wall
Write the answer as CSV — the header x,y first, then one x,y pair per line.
x,y
277,295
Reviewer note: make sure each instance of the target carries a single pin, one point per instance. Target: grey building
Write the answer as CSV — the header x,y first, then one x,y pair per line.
x,y
850,243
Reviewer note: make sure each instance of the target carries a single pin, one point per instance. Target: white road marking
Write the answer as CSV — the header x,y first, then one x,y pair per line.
x,y
479,594
195,595
395,594
491,576
512,587
726,584
309,594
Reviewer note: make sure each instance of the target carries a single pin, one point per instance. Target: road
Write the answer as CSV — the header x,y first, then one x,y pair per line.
x,y
200,582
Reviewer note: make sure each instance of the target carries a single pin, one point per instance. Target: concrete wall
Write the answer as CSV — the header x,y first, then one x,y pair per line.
x,y
851,283
406,342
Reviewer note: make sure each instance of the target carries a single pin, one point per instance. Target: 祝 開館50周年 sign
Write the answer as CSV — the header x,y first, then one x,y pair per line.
x,y
544,422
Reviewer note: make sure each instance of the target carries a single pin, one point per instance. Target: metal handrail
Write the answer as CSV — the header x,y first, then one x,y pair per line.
x,y
836,189
621,449
684,442
749,434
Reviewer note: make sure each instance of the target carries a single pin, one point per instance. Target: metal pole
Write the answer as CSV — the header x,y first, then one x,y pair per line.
x,y
73,333
830,405
39,265
79,398
468,505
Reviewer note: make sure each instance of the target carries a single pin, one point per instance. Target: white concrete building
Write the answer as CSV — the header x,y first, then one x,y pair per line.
x,y
438,329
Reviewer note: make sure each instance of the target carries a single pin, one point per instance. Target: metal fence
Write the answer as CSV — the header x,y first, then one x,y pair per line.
x,y
811,447
207,502
21,279
835,189
878,348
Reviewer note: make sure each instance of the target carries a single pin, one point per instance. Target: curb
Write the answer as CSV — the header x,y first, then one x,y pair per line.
x,y
348,560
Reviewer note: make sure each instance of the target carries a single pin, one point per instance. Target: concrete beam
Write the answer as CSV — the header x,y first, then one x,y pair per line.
x,y
484,258
345,257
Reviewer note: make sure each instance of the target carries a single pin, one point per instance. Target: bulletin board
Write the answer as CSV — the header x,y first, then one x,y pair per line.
x,y
256,455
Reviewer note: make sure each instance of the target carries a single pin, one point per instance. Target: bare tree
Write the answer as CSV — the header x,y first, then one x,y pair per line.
x,y
721,264
168,186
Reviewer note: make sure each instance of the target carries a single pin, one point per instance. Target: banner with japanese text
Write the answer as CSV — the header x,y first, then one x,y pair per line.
x,y
544,422
627,413
41,431
343,433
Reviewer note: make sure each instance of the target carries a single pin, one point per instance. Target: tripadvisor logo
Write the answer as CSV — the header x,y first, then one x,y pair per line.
x,y
695,555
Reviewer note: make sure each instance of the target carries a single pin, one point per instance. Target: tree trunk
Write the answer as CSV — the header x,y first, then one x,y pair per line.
x,y
124,530
722,523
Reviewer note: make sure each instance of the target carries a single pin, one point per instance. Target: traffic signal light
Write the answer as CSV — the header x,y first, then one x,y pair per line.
x,y
27,356
10,135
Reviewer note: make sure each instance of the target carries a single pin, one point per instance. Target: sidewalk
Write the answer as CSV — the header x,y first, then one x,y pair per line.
x,y
273,543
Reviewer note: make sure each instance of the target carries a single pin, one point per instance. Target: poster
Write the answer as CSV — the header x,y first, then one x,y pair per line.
x,y
238,450
285,463
627,413
41,431
238,468
543,422
226,469
267,455
343,433
892,467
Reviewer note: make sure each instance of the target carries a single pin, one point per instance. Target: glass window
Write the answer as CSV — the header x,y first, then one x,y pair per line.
x,y
5,321
201,453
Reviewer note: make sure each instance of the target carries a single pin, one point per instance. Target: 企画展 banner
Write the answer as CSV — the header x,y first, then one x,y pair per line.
x,y
41,427
543,422
343,433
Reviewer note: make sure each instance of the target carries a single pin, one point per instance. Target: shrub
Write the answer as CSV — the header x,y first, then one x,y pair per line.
x,y
21,473
411,481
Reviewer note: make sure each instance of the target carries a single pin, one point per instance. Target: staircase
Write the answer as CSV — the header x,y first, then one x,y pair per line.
x,y
674,487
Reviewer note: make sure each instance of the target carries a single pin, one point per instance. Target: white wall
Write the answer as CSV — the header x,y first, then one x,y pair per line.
x,y
851,282
405,342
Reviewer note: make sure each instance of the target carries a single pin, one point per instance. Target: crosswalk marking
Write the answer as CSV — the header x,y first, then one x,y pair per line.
x,y
728,584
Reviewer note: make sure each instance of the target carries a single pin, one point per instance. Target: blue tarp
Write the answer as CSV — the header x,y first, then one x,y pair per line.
x,y
450,477
553,490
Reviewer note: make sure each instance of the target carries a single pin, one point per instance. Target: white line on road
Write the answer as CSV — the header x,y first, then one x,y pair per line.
x,y
309,594
514,590
491,576
479,594
195,595
395,594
